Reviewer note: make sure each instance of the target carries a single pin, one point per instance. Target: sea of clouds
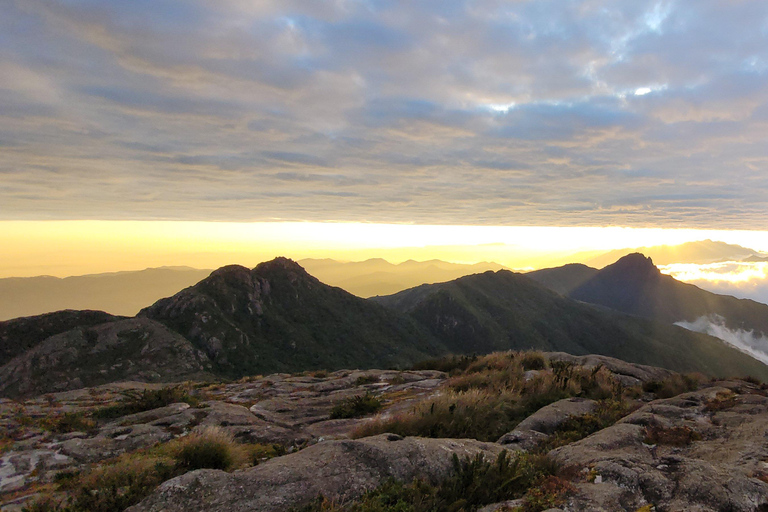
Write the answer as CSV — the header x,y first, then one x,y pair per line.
x,y
742,279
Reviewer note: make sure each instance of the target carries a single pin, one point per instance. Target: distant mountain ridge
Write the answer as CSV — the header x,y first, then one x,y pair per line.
x,y
700,252
120,293
277,317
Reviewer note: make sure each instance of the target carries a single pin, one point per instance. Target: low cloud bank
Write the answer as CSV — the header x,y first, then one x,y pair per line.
x,y
742,279
746,341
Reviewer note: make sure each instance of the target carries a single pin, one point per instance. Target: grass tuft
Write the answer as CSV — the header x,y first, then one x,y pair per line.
x,y
356,406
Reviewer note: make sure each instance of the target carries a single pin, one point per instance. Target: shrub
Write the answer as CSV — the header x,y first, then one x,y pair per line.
x,y
551,493
722,402
477,414
533,361
473,483
211,448
257,453
576,428
673,436
69,422
366,379
110,487
491,396
674,385
134,401
356,406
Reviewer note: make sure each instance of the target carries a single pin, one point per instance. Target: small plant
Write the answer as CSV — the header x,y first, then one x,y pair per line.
x,y
397,379
211,448
551,493
356,406
575,428
475,482
533,361
673,436
258,453
366,379
69,422
723,401
320,374
134,401
674,385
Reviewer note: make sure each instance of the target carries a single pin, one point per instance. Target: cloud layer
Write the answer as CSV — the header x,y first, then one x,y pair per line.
x,y
526,112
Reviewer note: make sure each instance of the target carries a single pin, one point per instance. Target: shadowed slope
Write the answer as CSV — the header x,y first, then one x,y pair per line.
x,y
277,317
503,310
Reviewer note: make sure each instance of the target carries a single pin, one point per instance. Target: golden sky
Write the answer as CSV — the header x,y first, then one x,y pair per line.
x,y
63,248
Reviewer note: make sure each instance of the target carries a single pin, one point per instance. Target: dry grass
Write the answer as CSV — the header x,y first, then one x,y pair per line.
x,y
672,436
491,395
210,447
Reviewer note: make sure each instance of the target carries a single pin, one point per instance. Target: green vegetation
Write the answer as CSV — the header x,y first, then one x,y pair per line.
x,y
211,448
672,436
333,328
487,312
131,477
134,401
491,395
366,379
575,428
69,422
475,482
356,406
674,385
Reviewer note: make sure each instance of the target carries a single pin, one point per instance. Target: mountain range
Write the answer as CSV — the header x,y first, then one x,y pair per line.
x,y
125,293
277,317
635,285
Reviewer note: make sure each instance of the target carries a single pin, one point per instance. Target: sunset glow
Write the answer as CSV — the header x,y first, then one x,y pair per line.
x,y
63,248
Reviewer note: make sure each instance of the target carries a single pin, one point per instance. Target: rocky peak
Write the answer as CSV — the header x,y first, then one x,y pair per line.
x,y
281,266
634,264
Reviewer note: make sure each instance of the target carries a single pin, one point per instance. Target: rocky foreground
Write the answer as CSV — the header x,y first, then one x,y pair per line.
x,y
702,449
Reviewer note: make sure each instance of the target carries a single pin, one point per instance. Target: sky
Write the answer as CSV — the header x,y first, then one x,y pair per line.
x,y
485,113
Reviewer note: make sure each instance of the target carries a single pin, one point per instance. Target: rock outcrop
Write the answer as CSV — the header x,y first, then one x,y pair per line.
x,y
338,470
700,451
276,317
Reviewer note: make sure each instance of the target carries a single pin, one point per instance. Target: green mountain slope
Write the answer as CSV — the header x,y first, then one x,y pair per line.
x,y
277,317
634,285
503,310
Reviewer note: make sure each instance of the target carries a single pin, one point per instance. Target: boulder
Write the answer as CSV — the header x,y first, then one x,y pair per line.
x,y
719,467
543,423
339,470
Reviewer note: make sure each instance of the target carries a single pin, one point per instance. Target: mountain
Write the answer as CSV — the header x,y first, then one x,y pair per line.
x,y
563,279
135,349
21,334
377,276
634,285
120,293
701,252
277,317
504,310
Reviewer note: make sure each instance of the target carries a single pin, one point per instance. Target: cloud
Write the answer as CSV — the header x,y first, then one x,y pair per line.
x,y
745,341
526,112
742,279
